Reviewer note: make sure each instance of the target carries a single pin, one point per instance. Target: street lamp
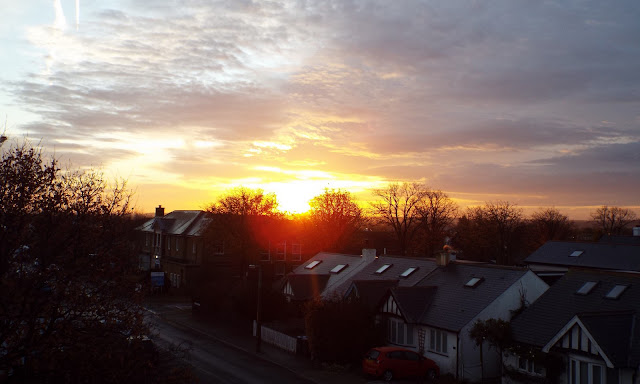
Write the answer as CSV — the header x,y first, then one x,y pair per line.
x,y
259,306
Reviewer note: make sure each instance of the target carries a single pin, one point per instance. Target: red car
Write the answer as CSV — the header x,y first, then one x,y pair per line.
x,y
396,362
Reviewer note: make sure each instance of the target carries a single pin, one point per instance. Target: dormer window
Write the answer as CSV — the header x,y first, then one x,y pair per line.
x,y
586,287
408,272
576,253
338,268
473,282
381,270
313,264
616,291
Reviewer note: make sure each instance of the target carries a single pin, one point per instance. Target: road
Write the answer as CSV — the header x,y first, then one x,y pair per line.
x,y
215,361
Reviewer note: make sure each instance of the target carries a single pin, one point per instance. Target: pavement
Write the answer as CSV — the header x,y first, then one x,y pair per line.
x,y
237,333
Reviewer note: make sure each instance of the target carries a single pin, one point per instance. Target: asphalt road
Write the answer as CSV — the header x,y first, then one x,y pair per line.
x,y
217,362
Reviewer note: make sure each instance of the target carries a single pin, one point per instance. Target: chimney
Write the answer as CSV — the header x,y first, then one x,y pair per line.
x,y
159,211
369,254
636,230
444,257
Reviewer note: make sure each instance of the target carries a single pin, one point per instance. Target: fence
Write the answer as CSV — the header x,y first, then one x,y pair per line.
x,y
280,340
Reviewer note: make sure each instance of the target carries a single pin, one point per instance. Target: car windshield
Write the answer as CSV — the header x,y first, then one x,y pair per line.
x,y
372,354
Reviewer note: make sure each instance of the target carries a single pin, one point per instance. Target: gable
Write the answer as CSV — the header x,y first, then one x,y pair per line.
x,y
390,306
575,336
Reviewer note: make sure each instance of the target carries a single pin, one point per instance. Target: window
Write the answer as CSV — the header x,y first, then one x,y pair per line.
x,y
616,291
313,264
265,255
296,252
147,240
338,268
576,253
529,366
438,341
586,287
381,270
473,282
281,251
218,248
583,372
194,248
399,332
408,272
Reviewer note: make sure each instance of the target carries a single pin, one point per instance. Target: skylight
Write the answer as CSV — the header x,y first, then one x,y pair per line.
x,y
576,253
338,268
616,291
409,271
381,270
473,282
313,264
586,287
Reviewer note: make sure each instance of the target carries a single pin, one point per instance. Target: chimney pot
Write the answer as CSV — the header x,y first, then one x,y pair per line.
x,y
159,211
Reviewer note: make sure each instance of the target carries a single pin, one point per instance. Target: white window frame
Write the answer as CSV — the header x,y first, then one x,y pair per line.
x,y
438,341
529,366
281,251
575,377
296,252
399,332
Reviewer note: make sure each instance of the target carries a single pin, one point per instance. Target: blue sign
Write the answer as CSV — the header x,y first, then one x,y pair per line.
x,y
157,279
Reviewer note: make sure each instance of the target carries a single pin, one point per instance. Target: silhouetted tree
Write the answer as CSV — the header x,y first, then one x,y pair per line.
x,y
548,224
612,220
335,217
399,208
237,215
493,230
437,215
71,297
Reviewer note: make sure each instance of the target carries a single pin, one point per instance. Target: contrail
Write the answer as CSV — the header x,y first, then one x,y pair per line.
x,y
77,14
60,21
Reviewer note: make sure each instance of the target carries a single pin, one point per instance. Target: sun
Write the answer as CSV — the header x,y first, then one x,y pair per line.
x,y
294,196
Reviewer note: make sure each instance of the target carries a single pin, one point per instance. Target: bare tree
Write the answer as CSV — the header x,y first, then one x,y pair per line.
x,y
71,304
235,216
335,216
398,207
506,219
550,224
492,230
612,220
437,215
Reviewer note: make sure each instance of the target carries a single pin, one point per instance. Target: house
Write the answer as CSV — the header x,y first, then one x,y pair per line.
x,y
371,283
325,275
173,243
434,316
554,258
588,323
194,247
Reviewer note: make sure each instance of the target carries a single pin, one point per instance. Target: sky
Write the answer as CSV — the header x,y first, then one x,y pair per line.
x,y
532,102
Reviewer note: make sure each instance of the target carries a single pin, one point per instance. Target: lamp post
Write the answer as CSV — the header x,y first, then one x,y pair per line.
x,y
259,307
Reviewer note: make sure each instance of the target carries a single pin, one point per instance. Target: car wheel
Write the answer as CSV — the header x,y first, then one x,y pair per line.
x,y
431,375
387,375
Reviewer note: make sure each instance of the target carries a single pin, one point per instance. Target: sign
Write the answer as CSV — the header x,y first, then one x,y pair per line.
x,y
157,279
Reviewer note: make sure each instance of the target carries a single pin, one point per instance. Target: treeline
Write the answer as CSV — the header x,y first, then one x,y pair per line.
x,y
412,219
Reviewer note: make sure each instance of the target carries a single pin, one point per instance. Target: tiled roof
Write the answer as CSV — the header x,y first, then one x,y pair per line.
x,y
454,305
371,292
186,223
397,266
414,301
337,283
620,257
609,320
306,287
